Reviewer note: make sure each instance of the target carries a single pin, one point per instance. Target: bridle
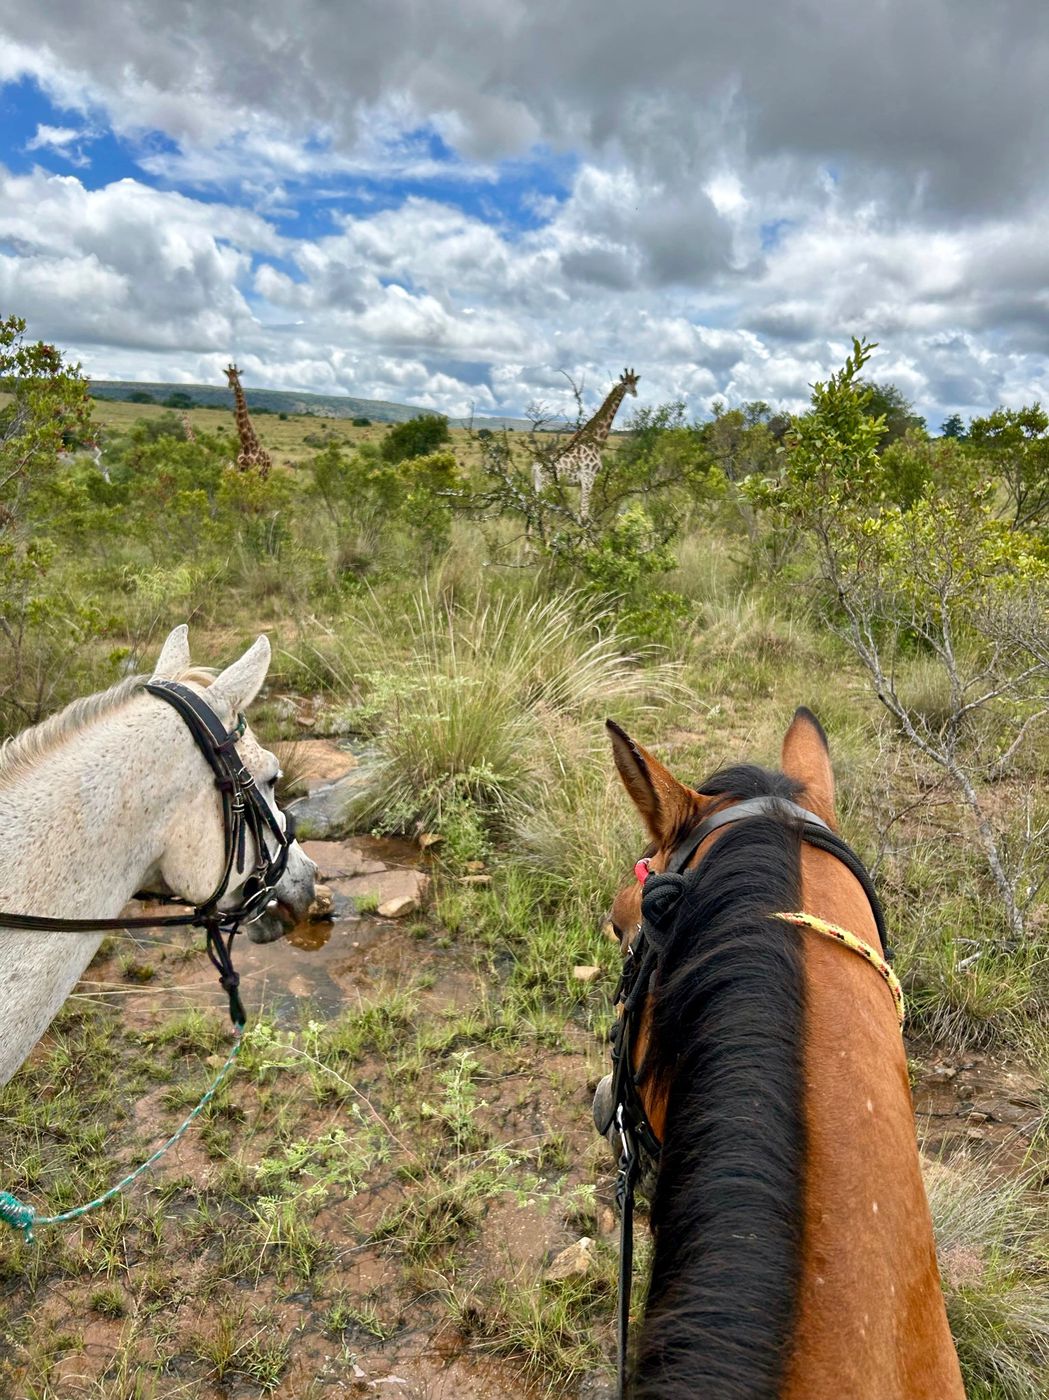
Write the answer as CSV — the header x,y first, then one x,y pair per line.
x,y
638,1141
244,812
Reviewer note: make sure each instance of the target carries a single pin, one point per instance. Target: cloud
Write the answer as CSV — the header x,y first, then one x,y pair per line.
x,y
739,189
66,141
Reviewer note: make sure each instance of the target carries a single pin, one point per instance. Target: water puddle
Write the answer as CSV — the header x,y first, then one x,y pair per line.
x,y
318,970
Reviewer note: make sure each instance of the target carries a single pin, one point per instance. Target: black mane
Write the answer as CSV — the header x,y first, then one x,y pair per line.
x,y
726,1045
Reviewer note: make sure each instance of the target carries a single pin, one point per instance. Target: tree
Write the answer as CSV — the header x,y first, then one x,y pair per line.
x,y
889,403
418,437
953,427
1017,444
39,627
941,578
180,399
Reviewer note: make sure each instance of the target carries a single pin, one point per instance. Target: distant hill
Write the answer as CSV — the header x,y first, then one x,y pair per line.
x,y
286,401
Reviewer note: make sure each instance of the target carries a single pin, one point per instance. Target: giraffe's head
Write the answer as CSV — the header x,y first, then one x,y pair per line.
x,y
629,381
233,375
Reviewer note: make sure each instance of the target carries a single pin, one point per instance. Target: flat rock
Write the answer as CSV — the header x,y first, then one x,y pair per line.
x,y
572,1262
386,886
398,908
586,974
322,761
338,860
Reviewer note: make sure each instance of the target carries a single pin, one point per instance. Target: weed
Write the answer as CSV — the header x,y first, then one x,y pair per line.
x,y
109,1302
344,1316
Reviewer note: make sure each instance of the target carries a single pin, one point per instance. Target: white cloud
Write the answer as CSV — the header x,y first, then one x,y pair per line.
x,y
735,210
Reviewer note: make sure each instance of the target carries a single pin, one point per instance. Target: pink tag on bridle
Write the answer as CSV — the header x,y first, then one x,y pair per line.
x,y
641,871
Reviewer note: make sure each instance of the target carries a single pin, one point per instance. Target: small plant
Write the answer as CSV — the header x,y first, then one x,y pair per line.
x,y
344,1317
109,1301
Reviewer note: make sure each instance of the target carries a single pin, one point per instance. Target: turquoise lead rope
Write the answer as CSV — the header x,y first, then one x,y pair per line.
x,y
23,1217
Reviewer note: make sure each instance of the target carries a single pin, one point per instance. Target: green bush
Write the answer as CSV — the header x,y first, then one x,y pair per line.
x,y
419,437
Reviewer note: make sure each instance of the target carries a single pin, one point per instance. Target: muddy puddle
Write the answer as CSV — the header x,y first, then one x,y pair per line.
x,y
322,966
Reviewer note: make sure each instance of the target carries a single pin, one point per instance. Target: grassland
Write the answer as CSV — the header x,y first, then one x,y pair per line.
x,y
380,1190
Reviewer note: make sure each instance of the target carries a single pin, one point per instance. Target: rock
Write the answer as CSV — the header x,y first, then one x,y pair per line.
x,y
586,973
322,812
474,866
607,1222
475,879
976,1135
573,1262
398,908
323,904
942,1072
339,860
979,1117
320,761
386,886
298,986
428,839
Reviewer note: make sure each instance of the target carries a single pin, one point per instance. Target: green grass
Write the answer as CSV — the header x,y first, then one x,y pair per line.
x,y
994,1259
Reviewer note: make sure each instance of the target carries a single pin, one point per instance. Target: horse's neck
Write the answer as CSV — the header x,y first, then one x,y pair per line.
x,y
871,1318
79,830
82,825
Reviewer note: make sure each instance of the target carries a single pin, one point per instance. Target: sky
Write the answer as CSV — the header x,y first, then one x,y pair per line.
x,y
464,205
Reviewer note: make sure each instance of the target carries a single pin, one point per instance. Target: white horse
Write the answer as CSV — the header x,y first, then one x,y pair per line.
x,y
111,796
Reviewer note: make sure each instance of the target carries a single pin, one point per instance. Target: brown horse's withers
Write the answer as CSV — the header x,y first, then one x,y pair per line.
x,y
794,1256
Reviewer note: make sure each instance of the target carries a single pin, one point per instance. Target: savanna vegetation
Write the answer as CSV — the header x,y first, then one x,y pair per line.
x,y
363,1187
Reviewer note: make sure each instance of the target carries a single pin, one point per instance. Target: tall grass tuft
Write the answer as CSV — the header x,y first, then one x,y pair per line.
x,y
994,1263
488,708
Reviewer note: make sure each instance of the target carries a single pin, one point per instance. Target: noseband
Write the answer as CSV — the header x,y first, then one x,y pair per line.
x,y
244,811
638,1142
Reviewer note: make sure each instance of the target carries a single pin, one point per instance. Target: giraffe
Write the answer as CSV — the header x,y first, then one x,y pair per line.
x,y
187,428
252,454
581,454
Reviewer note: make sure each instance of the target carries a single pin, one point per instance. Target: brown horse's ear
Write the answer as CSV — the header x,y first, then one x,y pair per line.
x,y
806,759
665,804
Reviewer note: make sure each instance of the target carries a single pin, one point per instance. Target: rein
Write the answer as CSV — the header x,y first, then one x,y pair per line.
x,y
243,810
627,1116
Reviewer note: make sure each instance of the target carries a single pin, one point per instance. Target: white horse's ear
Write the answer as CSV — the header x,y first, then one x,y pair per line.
x,y
174,654
238,684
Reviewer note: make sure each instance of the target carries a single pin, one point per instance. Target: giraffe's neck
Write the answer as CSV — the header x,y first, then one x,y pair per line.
x,y
248,440
598,428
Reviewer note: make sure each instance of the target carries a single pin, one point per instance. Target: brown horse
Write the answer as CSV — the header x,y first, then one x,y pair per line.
x,y
794,1255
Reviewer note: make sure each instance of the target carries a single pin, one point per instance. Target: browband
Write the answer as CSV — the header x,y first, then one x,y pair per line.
x,y
751,807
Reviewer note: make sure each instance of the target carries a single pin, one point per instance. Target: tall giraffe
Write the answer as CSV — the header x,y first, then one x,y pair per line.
x,y
252,454
187,428
581,454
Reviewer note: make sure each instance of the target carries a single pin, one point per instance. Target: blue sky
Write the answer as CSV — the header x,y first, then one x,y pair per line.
x,y
457,206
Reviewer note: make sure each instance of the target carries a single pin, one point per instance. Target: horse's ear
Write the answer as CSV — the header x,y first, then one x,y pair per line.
x,y
238,684
174,654
806,759
665,804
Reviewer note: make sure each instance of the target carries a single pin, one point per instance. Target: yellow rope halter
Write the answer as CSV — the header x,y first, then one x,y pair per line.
x,y
842,935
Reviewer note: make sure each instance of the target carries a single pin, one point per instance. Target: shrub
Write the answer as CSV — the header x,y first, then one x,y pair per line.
x,y
418,437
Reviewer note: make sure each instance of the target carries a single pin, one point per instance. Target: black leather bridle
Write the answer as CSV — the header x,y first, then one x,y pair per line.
x,y
244,811
638,1141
